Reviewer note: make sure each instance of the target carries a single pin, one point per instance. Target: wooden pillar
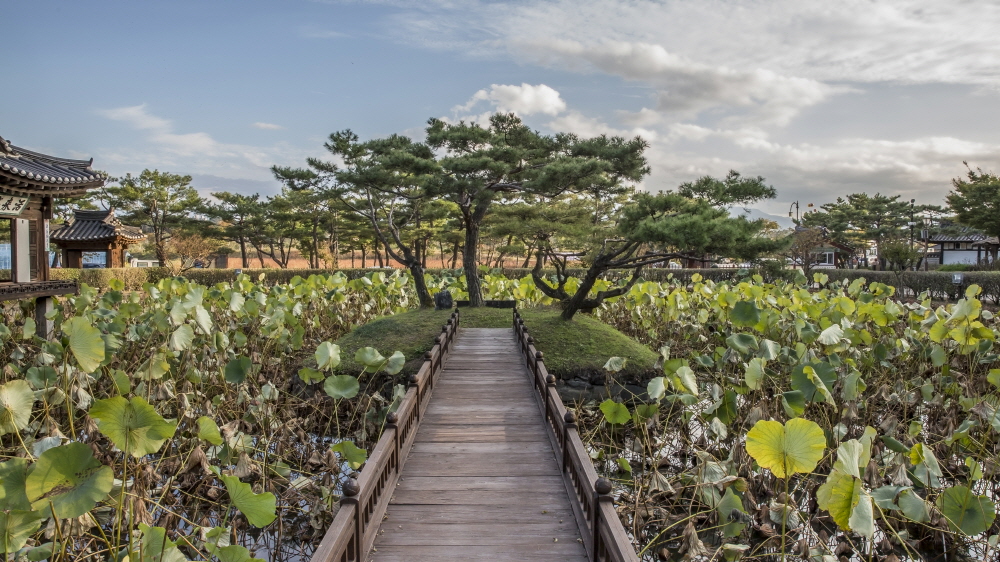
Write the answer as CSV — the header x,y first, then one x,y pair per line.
x,y
21,258
43,325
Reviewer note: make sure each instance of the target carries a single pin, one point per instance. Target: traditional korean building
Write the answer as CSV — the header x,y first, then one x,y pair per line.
x,y
95,231
28,183
963,247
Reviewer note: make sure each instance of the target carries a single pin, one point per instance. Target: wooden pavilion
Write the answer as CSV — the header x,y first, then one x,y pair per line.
x,y
95,231
28,183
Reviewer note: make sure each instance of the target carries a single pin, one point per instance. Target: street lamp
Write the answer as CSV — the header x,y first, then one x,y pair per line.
x,y
796,206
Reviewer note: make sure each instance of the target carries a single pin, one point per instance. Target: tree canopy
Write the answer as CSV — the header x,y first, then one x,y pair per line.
x,y
976,200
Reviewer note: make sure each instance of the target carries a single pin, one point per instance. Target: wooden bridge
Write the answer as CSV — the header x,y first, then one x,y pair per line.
x,y
480,461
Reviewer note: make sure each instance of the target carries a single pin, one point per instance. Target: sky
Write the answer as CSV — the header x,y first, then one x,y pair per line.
x,y
820,98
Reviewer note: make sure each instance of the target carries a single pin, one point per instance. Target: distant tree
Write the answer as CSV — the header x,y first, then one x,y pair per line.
x,y
161,201
479,165
804,248
276,230
660,227
188,251
382,180
235,213
976,200
900,257
860,219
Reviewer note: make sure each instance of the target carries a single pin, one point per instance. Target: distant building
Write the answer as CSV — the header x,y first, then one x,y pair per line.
x,y
962,248
95,231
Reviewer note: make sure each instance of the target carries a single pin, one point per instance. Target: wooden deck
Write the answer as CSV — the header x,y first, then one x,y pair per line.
x,y
481,481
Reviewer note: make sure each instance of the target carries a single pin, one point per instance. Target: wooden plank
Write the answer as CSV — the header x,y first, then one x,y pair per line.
x,y
540,534
558,552
485,483
457,514
450,447
537,500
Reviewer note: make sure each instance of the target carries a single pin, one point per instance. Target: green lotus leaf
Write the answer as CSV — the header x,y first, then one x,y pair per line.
x,y
965,511
259,509
731,502
209,430
913,506
132,425
370,358
794,403
848,503
12,476
395,363
16,400
327,356
656,388
44,377
831,335
310,375
235,553
348,451
85,342
237,369
341,386
70,478
614,412
795,447
156,547
203,320
745,314
809,382
644,412
28,330
742,343
684,380
755,373
16,527
182,338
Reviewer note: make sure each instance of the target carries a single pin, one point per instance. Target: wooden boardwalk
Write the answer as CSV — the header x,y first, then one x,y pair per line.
x,y
481,481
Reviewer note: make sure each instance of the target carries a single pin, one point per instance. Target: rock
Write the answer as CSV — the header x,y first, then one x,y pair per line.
x,y
442,300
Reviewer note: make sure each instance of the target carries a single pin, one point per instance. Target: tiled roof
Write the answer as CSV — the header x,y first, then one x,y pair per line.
x,y
23,172
992,240
95,226
963,237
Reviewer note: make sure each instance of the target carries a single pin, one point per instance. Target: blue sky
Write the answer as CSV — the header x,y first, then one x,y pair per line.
x,y
821,99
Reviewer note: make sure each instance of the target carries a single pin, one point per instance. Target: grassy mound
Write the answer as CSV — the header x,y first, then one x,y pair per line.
x,y
411,332
580,348
575,349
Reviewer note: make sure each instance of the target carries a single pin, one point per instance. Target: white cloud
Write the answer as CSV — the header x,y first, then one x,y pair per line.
x,y
194,152
267,126
137,116
318,33
523,100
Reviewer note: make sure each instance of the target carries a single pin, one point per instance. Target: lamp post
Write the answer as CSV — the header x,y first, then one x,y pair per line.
x,y
796,206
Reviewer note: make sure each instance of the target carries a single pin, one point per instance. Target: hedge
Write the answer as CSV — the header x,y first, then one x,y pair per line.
x,y
910,283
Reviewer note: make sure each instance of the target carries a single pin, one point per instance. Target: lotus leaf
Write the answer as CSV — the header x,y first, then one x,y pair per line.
x,y
615,364
85,342
237,369
395,363
209,430
733,524
259,509
341,386
370,358
182,338
70,478
795,447
965,511
327,356
614,412
745,314
16,527
12,475
354,456
132,425
16,400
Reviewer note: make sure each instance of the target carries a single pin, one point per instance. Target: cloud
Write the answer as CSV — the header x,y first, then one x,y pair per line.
x,y
523,100
318,33
137,116
909,41
686,88
193,152
267,126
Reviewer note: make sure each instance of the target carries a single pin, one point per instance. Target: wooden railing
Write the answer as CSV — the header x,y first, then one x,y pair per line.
x,y
364,501
602,531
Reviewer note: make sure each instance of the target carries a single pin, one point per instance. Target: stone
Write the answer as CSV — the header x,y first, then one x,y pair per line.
x,y
442,300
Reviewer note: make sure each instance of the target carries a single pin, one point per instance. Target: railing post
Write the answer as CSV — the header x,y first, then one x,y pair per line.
x,y
414,382
602,494
437,362
570,424
350,497
391,421
550,383
538,384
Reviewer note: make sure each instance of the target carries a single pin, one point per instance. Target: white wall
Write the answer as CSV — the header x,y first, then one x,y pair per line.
x,y
958,256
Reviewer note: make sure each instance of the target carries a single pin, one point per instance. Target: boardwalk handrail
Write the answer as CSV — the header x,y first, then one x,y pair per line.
x,y
602,531
364,501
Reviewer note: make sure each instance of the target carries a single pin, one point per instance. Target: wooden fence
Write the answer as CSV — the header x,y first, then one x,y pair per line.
x,y
364,501
602,531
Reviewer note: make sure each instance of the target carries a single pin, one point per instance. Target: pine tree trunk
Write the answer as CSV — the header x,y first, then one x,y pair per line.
x,y
573,305
244,258
470,264
423,294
